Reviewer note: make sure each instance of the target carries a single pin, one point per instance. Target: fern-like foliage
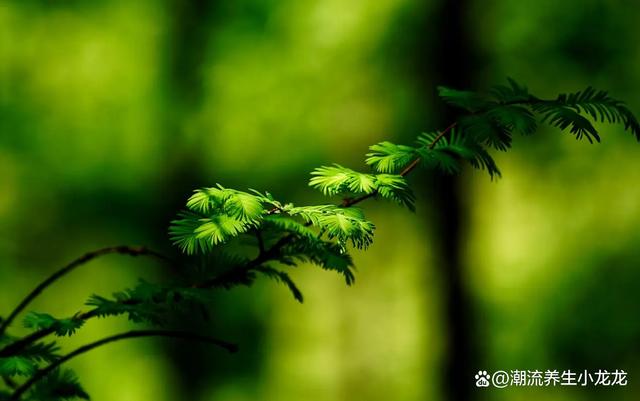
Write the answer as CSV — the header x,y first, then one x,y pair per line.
x,y
42,352
57,386
232,237
511,108
215,215
282,277
568,110
305,245
338,180
17,366
44,321
449,151
150,303
445,155
321,233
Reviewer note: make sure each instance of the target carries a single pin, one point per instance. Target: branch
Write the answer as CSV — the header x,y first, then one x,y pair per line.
x,y
236,274
410,167
432,145
124,250
15,347
131,334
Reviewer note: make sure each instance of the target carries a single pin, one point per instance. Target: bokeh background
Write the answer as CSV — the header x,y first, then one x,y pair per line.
x,y
113,111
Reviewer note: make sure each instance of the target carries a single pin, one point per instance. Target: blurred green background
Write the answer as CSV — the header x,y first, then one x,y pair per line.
x,y
113,111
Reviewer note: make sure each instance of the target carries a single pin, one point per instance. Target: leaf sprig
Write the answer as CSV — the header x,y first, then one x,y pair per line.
x,y
218,221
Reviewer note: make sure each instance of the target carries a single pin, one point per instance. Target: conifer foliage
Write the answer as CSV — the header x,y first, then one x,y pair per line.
x,y
231,237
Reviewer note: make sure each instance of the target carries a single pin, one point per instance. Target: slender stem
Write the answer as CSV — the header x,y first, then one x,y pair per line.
x,y
15,347
273,210
130,334
348,202
432,145
231,275
124,250
410,167
239,273
19,345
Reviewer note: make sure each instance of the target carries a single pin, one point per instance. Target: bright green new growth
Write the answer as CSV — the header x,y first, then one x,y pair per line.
x,y
218,221
218,215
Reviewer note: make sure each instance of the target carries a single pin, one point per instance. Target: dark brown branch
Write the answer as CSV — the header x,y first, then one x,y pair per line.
x,y
124,250
441,135
131,334
432,145
273,210
348,202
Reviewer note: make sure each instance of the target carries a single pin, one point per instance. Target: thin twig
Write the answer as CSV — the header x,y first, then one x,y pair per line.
x,y
124,250
348,202
432,145
15,347
131,334
236,273
274,210
239,273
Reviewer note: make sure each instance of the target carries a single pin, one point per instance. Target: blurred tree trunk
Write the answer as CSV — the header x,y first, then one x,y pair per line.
x,y
187,48
453,60
185,52
193,24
